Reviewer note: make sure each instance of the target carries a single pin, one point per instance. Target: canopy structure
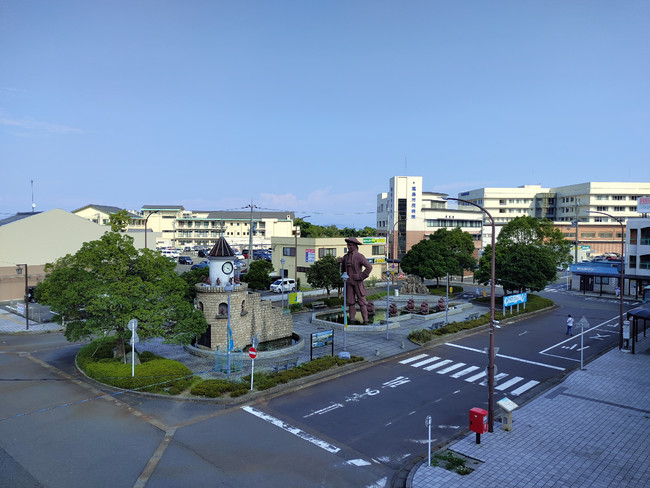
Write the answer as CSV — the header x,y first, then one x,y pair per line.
x,y
637,314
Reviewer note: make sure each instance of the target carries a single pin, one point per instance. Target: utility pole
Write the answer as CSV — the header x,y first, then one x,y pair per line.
x,y
250,235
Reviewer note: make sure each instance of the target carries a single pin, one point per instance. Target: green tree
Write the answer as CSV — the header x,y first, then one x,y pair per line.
x,y
108,282
308,229
528,252
119,221
259,275
325,273
443,252
192,277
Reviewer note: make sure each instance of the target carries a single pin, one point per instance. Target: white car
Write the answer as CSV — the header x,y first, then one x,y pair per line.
x,y
286,285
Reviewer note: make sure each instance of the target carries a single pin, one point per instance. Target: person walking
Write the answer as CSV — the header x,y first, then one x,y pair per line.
x,y
569,325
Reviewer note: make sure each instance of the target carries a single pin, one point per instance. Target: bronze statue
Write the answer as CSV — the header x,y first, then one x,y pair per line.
x,y
410,305
424,308
371,308
392,310
358,269
442,305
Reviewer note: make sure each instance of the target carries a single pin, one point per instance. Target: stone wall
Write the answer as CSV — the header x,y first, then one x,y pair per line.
x,y
249,315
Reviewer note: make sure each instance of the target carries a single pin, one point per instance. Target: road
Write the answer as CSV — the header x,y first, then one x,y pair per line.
x,y
59,430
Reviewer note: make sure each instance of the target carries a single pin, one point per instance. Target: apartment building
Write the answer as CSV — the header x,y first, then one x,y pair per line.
x,y
174,226
406,214
637,259
581,206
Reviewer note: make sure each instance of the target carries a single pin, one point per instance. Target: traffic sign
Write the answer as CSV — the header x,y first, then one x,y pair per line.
x,y
133,324
252,352
134,338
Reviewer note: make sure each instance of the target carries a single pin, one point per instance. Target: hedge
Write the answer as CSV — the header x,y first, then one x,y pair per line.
x,y
535,302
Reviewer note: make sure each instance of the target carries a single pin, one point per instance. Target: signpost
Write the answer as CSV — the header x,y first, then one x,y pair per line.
x,y
133,325
427,422
252,352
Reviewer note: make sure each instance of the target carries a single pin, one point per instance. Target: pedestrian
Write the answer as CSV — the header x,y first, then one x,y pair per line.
x,y
569,325
618,291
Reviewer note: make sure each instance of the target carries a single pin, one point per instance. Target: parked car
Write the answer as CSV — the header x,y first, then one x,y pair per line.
x,y
185,260
202,264
202,253
280,285
170,253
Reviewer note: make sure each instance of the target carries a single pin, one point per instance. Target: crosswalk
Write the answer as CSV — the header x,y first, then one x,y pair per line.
x,y
513,385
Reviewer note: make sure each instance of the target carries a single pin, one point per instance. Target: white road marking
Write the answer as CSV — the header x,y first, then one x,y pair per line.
x,y
414,358
472,379
438,365
524,387
451,368
509,383
292,430
508,357
449,426
379,484
324,410
358,462
426,361
400,380
465,371
576,336
497,377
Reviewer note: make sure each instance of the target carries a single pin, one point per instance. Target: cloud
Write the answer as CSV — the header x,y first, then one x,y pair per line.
x,y
33,125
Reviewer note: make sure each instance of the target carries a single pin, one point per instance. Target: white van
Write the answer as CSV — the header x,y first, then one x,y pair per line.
x,y
285,284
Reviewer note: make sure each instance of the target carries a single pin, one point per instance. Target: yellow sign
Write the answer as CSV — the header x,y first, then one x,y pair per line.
x,y
295,298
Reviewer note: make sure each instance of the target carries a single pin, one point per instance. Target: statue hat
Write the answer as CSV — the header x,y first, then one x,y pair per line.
x,y
353,240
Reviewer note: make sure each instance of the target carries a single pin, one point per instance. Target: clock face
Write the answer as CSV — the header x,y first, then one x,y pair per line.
x,y
227,267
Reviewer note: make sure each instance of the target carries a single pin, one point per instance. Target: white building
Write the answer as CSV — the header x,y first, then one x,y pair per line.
x,y
637,260
406,214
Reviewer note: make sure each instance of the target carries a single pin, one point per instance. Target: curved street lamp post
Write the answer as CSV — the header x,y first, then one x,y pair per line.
x,y
492,301
145,227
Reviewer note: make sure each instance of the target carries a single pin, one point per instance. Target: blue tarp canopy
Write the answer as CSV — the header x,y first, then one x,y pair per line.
x,y
594,269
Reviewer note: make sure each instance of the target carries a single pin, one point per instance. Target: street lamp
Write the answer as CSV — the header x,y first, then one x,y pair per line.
x,y
19,270
345,278
491,346
621,278
145,227
388,277
295,255
282,261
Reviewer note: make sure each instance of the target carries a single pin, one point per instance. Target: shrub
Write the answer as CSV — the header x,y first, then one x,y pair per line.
x,y
155,374
534,303
216,388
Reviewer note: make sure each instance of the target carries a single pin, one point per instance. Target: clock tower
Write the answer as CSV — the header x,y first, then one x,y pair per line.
x,y
222,263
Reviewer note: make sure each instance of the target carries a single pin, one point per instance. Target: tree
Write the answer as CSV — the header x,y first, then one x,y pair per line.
x,y
527,254
443,252
119,221
108,282
259,275
308,229
325,273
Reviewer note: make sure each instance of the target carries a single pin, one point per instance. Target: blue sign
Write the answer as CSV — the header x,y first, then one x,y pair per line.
x,y
511,300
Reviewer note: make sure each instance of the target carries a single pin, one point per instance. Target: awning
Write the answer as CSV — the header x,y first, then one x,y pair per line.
x,y
639,312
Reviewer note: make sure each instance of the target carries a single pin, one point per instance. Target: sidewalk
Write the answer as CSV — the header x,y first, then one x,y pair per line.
x,y
10,323
591,430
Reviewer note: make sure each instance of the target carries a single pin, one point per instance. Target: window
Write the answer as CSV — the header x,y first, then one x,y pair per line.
x,y
619,209
587,234
322,252
601,280
502,202
376,250
605,235
618,197
288,251
602,209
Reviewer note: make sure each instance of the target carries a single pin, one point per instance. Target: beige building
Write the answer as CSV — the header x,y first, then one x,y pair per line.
x,y
299,254
174,226
407,214
36,239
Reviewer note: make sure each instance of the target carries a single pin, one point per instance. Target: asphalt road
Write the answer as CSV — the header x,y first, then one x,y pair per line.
x,y
59,430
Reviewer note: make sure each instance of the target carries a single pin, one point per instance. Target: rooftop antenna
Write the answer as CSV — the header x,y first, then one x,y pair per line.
x,y
33,204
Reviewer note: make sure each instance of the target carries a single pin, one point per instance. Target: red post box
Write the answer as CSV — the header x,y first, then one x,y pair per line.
x,y
478,420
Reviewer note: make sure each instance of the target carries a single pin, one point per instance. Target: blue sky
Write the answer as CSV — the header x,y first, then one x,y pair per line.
x,y
312,106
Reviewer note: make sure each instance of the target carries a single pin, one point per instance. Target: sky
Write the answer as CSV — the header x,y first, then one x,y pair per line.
x,y
312,106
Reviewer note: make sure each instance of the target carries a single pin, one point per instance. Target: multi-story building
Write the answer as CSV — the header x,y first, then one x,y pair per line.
x,y
637,259
580,206
406,214
174,226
